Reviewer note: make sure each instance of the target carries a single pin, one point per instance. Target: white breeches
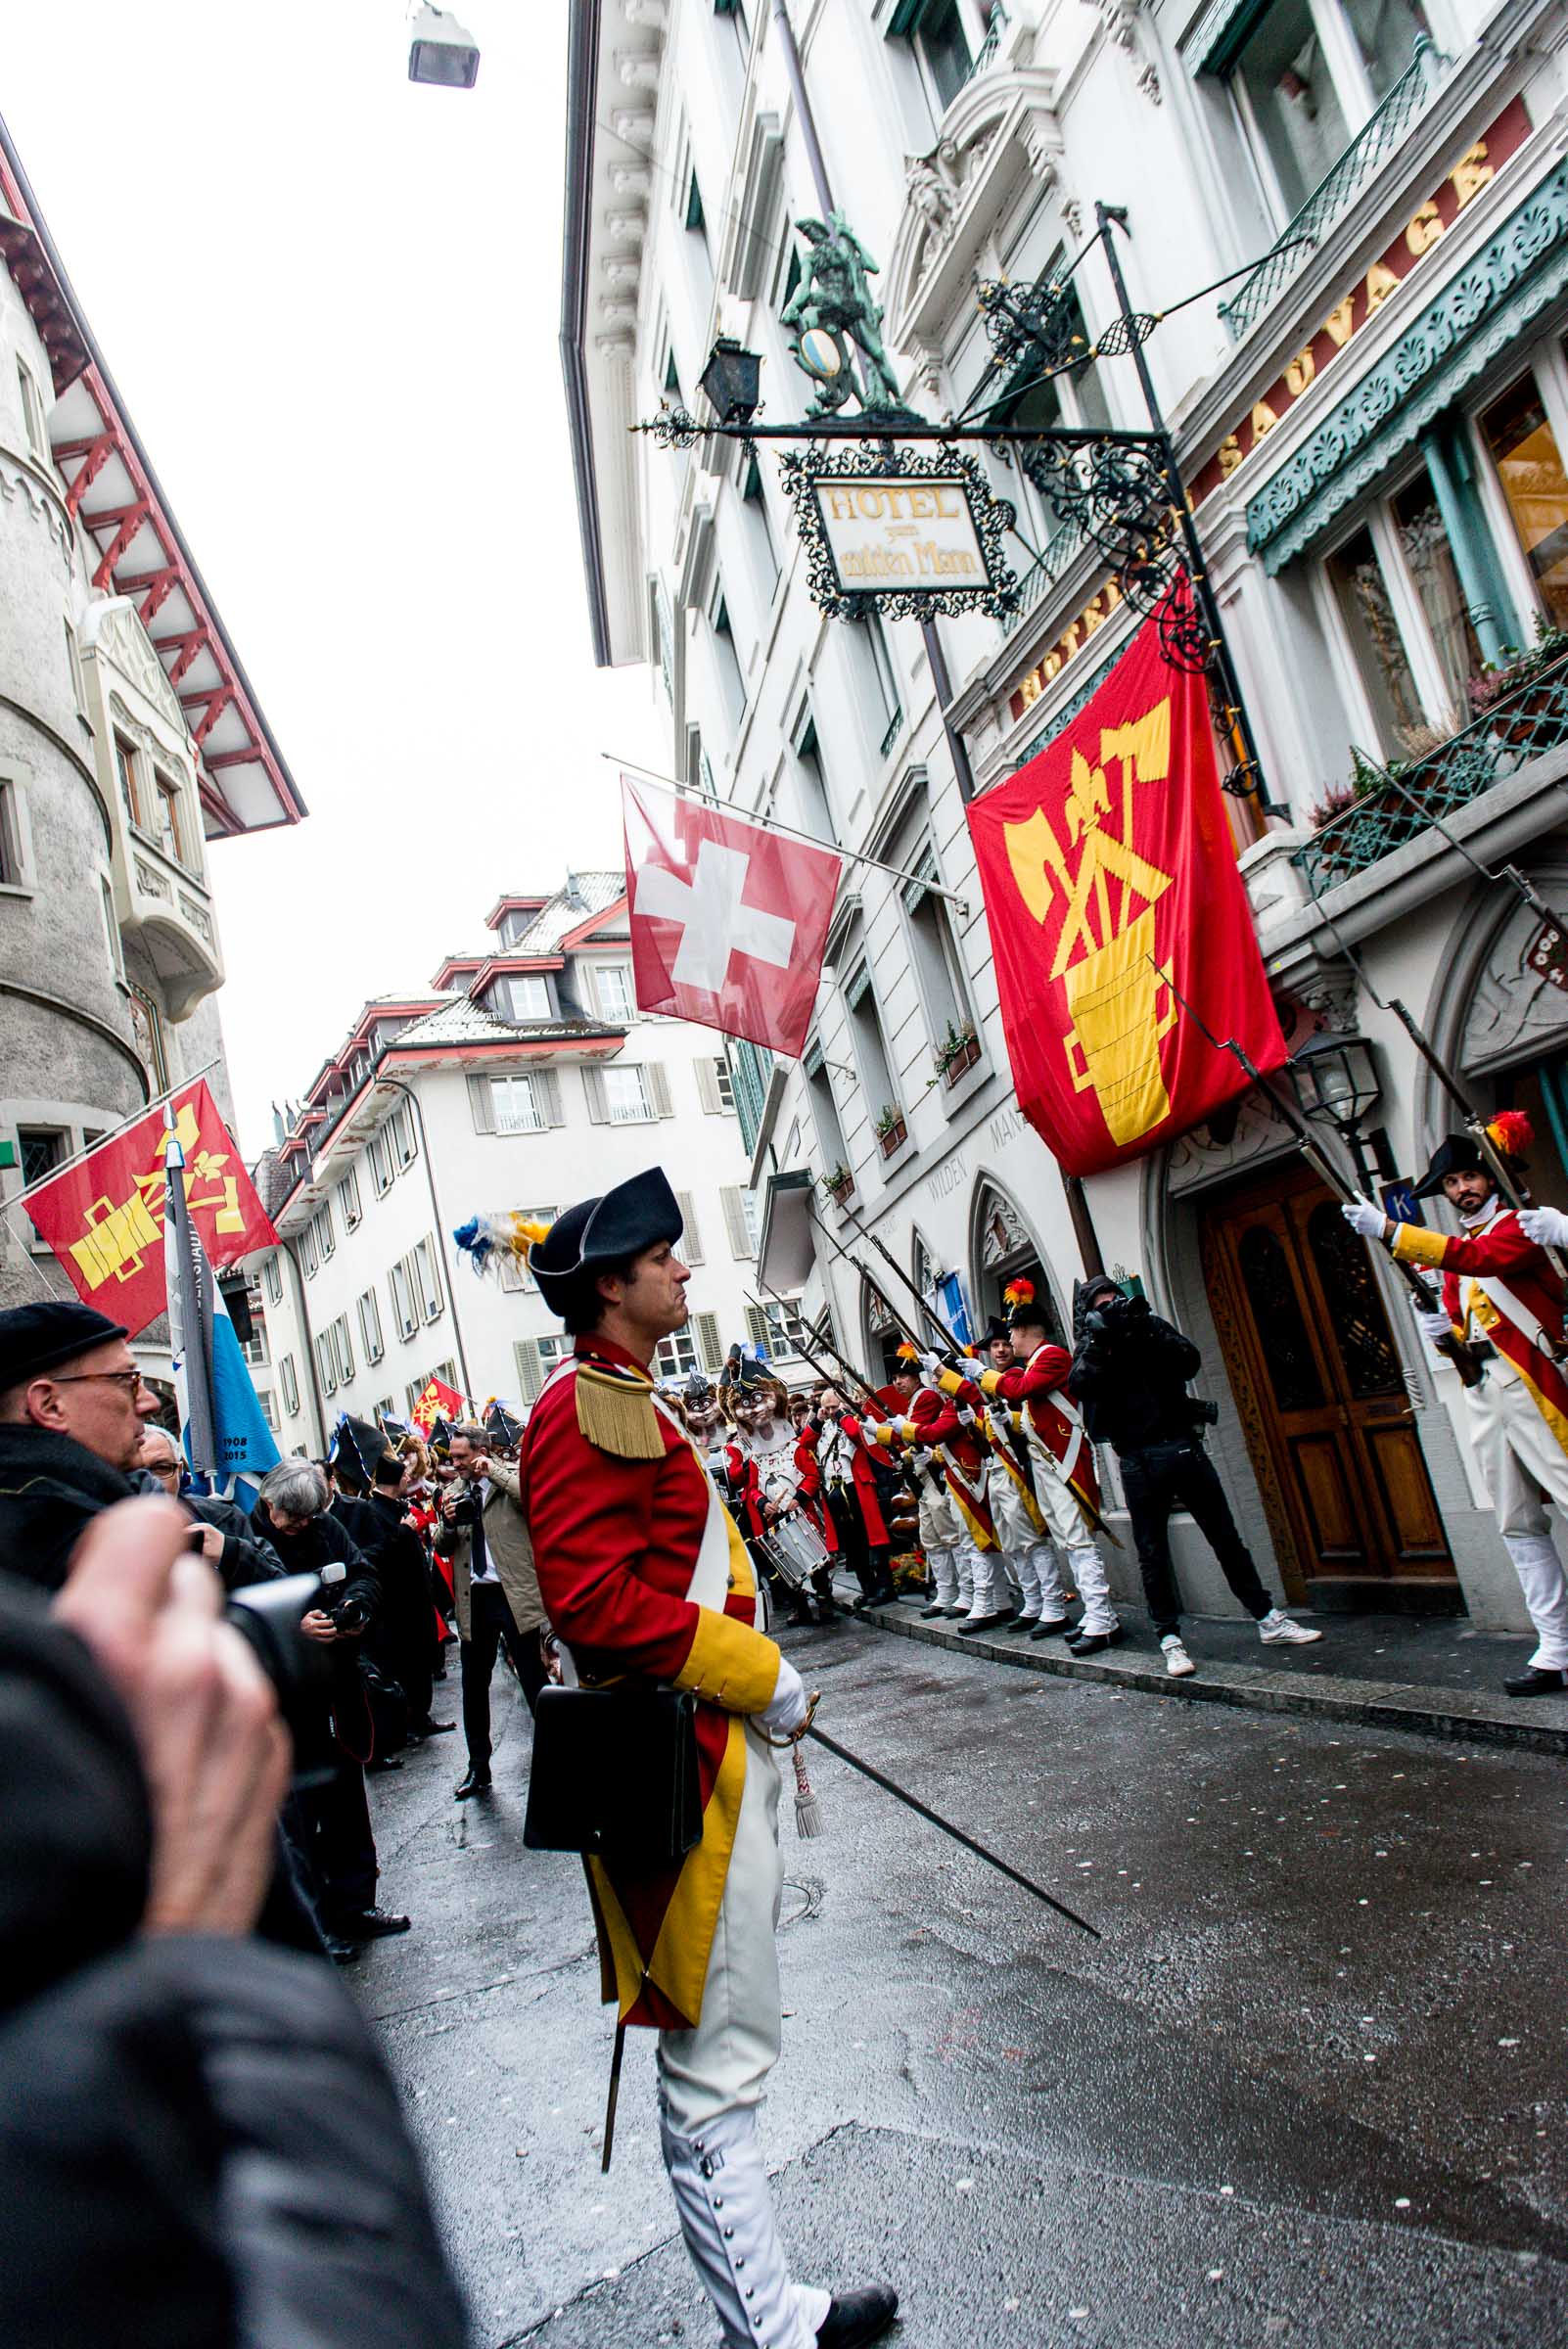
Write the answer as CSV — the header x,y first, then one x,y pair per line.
x,y
736,2044
1031,1557
940,1527
1524,1467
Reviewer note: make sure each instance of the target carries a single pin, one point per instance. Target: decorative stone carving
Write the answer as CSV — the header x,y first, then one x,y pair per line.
x,y
629,222
652,13
933,188
619,313
622,269
614,346
1333,993
1236,1138
1119,18
636,128
149,880
637,70
631,179
115,629
1518,1009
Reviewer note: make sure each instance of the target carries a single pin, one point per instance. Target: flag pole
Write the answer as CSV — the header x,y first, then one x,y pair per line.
x,y
109,1131
767,823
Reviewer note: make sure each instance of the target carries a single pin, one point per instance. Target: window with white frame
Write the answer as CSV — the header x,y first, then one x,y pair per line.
x,y
714,1087
170,809
626,1094
946,37
515,1104
934,951
307,1249
32,412
675,1356
405,1313
116,949
326,1363
78,682
382,1168
347,1194
740,1219
401,1134
758,530
343,1353
272,1280
515,1275
825,1112
1306,77
269,1411
778,1327
15,862
870,1044
322,1227
524,995
385,1409
289,1381
428,1280
370,1337
613,991
127,767
875,679
810,777
726,657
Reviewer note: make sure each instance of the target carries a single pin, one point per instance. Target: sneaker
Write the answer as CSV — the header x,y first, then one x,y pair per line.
x,y
1177,1662
1282,1631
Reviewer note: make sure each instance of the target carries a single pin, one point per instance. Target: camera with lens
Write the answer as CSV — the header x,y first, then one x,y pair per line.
x,y
351,1615
1205,1414
1117,1315
266,1615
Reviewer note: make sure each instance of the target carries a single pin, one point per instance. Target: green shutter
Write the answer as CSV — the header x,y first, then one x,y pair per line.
x,y
530,1374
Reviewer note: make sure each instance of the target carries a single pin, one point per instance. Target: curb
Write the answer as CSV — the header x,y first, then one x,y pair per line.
x,y
1450,1713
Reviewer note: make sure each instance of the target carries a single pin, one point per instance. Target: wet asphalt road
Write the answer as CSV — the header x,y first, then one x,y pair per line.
x,y
1311,2087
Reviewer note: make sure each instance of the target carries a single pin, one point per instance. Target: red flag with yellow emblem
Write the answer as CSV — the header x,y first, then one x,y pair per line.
x,y
1111,888
104,1215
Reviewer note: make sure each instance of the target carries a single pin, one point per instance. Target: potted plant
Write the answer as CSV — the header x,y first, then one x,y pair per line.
x,y
839,1184
958,1050
892,1131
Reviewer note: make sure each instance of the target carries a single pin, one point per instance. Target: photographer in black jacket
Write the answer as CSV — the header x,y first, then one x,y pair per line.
x,y
1131,1372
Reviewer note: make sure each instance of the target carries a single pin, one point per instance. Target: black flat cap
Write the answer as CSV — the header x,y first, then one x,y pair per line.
x,y
34,1338
636,1215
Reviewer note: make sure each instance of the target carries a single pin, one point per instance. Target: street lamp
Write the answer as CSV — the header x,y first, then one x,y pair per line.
x,y
441,52
1335,1079
732,379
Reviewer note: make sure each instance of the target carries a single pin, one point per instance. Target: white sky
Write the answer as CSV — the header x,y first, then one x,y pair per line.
x,y
331,302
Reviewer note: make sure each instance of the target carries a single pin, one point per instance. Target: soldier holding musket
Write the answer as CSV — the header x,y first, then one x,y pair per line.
x,y
1502,1298
646,1578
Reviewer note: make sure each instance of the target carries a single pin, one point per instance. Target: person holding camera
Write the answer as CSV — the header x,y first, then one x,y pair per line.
x,y
1131,1371
495,1590
292,1513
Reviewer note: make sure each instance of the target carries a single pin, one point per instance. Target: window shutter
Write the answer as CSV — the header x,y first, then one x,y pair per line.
x,y
740,1239
547,1093
691,1245
482,1103
658,1085
710,1345
708,1087
593,1085
856,992
757,1329
530,1374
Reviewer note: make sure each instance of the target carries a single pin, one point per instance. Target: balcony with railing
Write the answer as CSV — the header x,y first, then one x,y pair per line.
x,y
1365,155
1394,806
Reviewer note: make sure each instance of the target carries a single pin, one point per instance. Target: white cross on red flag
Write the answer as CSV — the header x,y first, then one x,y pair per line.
x,y
728,919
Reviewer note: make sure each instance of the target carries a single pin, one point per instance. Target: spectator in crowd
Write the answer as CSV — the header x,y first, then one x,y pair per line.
x,y
230,1541
495,1590
291,1512
72,1404
182,2108
1131,1371
405,1634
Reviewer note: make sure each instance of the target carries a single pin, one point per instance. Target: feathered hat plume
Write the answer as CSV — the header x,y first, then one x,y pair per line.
x,y
486,1240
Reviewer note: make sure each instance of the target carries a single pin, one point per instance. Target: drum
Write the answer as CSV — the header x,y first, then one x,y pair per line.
x,y
795,1548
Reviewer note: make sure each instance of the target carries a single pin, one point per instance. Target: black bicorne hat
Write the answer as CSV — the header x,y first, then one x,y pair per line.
x,y
636,1215
1456,1154
997,1327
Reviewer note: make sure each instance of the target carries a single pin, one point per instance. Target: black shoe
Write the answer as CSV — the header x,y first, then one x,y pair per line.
x,y
1021,1622
926,1613
1051,1629
340,1951
855,2318
472,1781
883,1598
431,1727
1098,1643
973,1624
1538,1679
371,1925
384,1762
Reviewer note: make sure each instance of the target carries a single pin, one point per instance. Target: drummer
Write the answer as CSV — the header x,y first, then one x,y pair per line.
x,y
761,1463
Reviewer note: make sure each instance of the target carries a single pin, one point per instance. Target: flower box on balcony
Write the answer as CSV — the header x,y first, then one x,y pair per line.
x,y
960,1057
892,1131
839,1184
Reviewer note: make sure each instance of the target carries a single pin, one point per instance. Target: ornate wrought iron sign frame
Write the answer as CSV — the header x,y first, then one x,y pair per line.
x,y
890,464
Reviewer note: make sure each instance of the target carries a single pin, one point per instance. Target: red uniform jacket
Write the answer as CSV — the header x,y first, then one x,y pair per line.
x,y
864,1480
618,1543
964,1452
1053,1419
809,1470
747,1485
1498,1251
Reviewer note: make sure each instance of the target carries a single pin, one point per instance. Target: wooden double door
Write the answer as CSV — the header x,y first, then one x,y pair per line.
x,y
1321,1391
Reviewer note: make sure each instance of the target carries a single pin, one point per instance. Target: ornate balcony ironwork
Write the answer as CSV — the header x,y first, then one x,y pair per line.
x,y
1373,144
1522,724
986,54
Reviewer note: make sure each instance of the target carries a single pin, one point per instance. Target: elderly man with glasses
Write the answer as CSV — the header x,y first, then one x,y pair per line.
x,y
231,1541
73,1406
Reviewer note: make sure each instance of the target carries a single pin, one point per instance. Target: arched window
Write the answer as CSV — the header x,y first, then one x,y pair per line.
x,y
881,1334
1004,1251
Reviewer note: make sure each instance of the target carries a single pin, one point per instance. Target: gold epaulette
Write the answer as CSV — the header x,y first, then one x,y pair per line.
x,y
616,1411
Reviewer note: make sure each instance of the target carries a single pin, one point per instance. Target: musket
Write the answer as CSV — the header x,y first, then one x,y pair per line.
x,y
887,1257
855,1266
936,1820
1460,1353
848,1370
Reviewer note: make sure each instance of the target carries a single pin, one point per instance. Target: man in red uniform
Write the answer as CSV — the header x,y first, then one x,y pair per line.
x,y
643,1573
947,1426
1499,1286
849,1479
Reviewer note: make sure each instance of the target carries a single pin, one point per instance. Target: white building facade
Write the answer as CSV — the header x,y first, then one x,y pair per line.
x,y
525,1079
1372,419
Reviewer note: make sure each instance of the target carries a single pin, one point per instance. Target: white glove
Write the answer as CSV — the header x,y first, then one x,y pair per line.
x,y
1548,1227
787,1707
1432,1325
932,1365
904,1427
966,1417
1362,1216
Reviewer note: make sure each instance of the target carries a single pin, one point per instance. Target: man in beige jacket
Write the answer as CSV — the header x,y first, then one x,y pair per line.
x,y
497,1593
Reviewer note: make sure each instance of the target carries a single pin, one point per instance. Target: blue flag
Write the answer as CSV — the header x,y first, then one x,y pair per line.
x,y
241,1437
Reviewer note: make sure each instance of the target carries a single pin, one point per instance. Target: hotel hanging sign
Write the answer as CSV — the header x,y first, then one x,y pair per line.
x,y
900,531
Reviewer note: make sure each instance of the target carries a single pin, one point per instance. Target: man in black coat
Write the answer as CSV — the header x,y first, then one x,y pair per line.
x,y
1131,1372
72,1404
292,1513
406,1634
230,1541
184,2112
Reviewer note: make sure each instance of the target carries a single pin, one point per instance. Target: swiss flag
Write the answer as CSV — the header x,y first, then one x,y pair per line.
x,y
728,920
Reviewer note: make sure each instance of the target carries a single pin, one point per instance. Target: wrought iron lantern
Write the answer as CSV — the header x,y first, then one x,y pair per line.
x,y
732,380
1336,1080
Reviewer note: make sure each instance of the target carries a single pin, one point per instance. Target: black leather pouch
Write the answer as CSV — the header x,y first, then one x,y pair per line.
x,y
615,1772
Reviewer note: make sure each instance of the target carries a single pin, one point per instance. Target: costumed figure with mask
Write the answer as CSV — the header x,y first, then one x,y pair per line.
x,y
1499,1288
764,1471
646,1578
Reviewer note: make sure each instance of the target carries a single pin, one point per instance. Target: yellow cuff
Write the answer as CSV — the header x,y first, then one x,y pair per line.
x,y
989,1381
729,1664
1414,1244
883,1433
950,1382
